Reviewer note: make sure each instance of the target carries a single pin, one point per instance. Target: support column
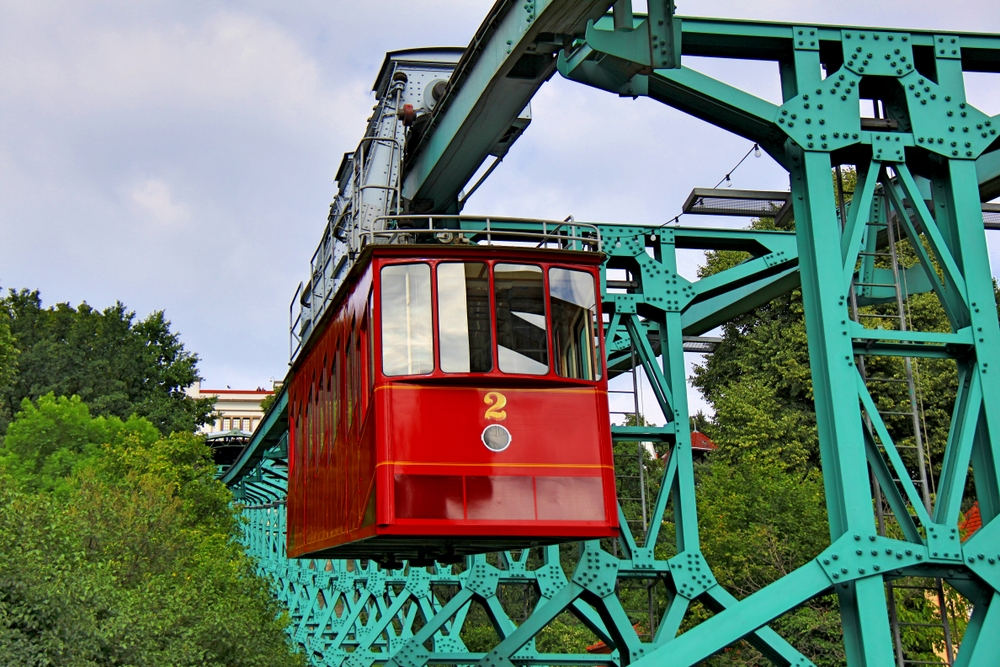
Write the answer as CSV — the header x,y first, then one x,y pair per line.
x,y
969,234
838,418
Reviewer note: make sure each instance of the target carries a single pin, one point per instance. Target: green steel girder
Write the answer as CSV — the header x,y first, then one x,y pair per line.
x,y
988,175
509,58
940,150
271,435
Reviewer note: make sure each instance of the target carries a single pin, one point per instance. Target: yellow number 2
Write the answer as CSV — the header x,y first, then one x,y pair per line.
x,y
496,401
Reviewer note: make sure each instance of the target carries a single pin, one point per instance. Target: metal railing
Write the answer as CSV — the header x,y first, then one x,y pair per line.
x,y
294,324
312,298
475,230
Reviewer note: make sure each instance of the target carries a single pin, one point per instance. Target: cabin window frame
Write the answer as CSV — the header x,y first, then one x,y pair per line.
x,y
422,319
546,265
523,324
491,321
592,346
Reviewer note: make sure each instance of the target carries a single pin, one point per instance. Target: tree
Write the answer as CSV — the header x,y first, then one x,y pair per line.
x,y
758,524
133,560
49,441
116,364
8,355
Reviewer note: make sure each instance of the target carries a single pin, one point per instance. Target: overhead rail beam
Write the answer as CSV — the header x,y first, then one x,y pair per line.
x,y
511,55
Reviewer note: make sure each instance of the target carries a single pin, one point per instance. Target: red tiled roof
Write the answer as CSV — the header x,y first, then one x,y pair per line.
x,y
973,521
701,443
602,648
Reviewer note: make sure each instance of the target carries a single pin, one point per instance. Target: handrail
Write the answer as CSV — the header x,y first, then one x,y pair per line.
x,y
568,235
295,341
471,230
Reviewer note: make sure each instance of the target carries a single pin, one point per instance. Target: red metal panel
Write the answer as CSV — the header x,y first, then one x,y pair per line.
x,y
557,471
331,454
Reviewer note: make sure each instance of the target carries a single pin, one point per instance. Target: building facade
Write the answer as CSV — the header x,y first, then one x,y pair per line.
x,y
235,409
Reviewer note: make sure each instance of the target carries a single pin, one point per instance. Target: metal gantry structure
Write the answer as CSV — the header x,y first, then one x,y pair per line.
x,y
925,161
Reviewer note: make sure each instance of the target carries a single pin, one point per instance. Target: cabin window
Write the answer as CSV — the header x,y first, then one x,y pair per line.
x,y
370,348
310,428
466,342
575,344
522,345
360,395
407,335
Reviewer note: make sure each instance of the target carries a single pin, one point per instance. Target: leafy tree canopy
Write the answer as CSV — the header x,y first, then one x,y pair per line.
x,y
117,364
132,559
51,440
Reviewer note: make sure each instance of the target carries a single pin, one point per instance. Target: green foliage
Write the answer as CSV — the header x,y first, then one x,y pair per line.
x,y
268,401
132,561
760,519
8,355
117,365
565,634
50,440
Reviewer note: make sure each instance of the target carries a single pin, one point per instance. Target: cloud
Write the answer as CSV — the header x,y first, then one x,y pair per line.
x,y
152,200
180,154
225,62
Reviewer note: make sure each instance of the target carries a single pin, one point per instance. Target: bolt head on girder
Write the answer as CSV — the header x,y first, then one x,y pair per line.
x,y
936,117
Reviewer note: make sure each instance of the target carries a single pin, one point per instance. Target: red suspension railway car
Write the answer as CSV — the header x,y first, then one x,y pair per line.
x,y
452,401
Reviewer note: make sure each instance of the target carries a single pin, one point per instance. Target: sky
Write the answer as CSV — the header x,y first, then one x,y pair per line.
x,y
180,156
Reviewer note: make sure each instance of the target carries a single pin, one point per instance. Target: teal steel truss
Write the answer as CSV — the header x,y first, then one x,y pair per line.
x,y
926,160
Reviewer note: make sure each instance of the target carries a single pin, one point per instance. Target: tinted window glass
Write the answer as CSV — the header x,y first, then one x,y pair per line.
x,y
370,349
574,314
464,318
520,308
407,339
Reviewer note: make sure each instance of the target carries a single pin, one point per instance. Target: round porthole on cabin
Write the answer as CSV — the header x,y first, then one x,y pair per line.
x,y
496,437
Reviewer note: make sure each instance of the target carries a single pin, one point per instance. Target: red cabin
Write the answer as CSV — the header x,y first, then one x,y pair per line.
x,y
452,401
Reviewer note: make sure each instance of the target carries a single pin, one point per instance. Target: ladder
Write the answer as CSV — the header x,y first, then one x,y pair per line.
x,y
880,246
632,483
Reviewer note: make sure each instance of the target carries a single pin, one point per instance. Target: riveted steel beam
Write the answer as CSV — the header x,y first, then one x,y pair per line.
x,y
511,55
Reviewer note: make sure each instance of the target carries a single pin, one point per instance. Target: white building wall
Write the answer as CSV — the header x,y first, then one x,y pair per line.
x,y
235,408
